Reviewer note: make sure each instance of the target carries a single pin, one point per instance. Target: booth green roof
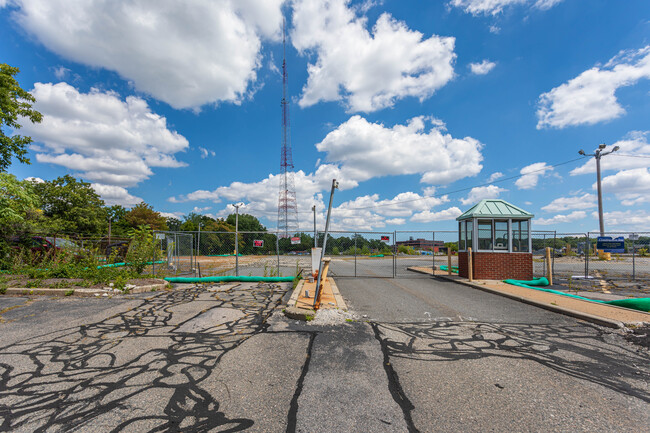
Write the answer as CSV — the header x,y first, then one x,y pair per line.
x,y
494,208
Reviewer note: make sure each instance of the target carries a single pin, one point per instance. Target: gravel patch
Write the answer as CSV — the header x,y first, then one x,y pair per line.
x,y
332,316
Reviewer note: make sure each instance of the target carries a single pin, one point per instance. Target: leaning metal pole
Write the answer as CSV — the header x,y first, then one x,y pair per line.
x,y
335,185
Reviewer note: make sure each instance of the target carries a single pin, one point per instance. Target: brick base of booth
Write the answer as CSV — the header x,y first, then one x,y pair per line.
x,y
497,266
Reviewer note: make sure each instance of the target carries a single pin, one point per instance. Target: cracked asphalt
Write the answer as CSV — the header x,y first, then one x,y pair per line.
x,y
428,356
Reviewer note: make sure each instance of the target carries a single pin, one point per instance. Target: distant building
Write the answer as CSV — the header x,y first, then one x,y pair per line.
x,y
424,244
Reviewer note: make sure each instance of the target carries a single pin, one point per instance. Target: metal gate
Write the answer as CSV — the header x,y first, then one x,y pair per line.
x,y
173,254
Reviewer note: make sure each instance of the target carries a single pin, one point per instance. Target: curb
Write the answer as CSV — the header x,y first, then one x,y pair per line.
x,y
340,303
611,323
296,292
79,291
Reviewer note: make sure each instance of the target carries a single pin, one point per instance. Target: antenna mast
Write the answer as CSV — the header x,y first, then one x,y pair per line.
x,y
287,204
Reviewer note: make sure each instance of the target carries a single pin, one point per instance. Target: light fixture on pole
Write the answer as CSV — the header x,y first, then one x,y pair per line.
x,y
598,153
237,206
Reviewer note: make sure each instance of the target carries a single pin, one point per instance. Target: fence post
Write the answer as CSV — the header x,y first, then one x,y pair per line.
x,y
153,256
554,245
470,272
277,251
355,254
549,273
587,254
634,259
433,253
395,255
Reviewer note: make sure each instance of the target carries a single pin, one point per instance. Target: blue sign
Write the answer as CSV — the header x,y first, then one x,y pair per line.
x,y
609,245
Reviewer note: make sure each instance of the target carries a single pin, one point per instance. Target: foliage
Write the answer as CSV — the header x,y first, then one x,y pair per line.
x,y
451,246
173,224
247,223
143,214
117,216
141,250
72,206
69,292
643,252
17,200
15,103
404,249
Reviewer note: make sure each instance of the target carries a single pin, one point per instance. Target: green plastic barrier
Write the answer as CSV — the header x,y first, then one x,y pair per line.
x,y
641,304
377,255
454,269
118,265
228,278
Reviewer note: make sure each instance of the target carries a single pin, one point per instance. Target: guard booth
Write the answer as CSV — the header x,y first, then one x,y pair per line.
x,y
499,235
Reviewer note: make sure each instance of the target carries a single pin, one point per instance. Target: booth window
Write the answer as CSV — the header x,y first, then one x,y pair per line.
x,y
520,236
470,229
500,235
484,235
461,236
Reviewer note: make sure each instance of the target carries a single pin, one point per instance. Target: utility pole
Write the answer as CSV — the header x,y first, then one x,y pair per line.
x,y
598,153
236,206
315,234
335,185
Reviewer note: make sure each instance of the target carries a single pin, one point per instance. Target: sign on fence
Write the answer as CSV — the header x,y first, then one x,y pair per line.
x,y
258,243
295,241
385,238
609,245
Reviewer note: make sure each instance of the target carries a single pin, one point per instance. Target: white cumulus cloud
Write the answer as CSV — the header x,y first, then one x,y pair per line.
x,y
184,54
482,68
112,142
630,186
443,215
369,70
591,96
365,150
103,138
112,194
560,219
482,192
631,219
560,204
531,174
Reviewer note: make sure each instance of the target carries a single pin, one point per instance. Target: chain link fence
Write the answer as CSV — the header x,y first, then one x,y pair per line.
x,y
576,258
172,254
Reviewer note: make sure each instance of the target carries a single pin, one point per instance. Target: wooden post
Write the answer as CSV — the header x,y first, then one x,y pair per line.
x,y
326,266
549,267
470,274
449,261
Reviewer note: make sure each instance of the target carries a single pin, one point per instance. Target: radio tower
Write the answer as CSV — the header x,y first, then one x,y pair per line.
x,y
287,205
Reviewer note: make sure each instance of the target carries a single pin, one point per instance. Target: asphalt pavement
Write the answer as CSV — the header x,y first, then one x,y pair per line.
x,y
428,356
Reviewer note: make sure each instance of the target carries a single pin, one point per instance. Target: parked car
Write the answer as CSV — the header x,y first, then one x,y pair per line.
x,y
117,250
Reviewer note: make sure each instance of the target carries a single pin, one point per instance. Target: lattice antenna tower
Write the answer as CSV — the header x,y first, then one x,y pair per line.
x,y
287,204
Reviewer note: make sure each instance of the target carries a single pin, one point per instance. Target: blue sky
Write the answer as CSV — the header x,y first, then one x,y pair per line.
x,y
418,108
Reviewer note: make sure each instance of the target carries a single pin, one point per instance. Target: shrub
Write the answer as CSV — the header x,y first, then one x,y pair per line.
x,y
69,292
142,249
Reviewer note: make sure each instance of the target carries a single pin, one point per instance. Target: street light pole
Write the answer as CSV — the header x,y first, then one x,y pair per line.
x,y
598,153
236,206
315,234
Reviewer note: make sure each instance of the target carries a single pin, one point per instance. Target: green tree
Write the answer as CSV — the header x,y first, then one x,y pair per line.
x,y
174,224
72,206
143,214
17,200
14,104
117,216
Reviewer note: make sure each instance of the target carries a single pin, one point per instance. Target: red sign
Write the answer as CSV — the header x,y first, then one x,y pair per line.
x,y
295,241
257,243
385,238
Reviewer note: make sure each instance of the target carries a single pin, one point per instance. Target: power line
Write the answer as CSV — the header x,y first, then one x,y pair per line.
x,y
505,179
469,187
